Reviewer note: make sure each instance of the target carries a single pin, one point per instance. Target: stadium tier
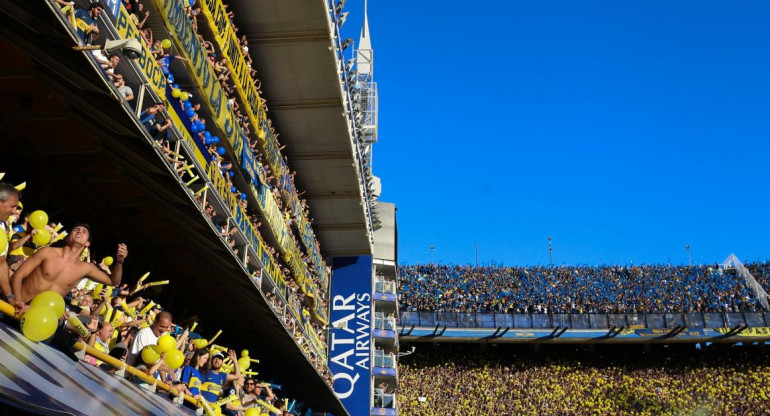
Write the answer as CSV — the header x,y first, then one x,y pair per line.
x,y
146,132
603,289
618,380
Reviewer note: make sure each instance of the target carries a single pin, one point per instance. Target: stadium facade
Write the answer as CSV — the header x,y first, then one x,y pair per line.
x,y
291,215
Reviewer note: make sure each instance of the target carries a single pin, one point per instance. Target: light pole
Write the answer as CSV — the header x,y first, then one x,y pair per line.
x,y
689,257
431,254
550,250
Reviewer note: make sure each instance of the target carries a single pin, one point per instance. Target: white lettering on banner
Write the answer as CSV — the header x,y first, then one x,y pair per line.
x,y
351,380
350,343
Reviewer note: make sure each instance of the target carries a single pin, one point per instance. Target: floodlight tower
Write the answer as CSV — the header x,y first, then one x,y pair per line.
x,y
367,100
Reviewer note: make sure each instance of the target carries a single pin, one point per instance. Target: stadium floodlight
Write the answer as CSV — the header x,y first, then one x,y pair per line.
x,y
346,43
343,18
349,64
131,48
340,5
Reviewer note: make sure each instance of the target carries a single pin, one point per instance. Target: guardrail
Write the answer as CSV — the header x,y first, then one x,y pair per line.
x,y
586,320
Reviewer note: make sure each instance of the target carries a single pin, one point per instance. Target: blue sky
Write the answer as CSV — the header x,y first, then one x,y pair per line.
x,y
623,129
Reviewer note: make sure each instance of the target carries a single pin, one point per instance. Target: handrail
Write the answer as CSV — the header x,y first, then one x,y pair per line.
x,y
9,310
642,320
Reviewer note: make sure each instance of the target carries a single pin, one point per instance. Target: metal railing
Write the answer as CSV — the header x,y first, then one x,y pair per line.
x,y
384,286
382,322
585,320
384,360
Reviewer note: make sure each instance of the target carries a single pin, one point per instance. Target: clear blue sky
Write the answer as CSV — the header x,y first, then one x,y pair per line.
x,y
623,129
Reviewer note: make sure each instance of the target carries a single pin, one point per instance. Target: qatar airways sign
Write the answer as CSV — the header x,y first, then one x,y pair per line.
x,y
350,335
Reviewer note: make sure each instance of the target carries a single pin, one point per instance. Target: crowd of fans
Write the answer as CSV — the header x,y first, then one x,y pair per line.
x,y
294,209
466,381
581,289
118,320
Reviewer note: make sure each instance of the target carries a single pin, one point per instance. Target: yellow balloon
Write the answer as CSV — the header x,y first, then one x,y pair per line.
x,y
38,219
251,412
244,363
108,261
42,238
149,355
98,290
3,241
166,343
200,343
174,359
166,43
51,300
39,323
245,353
176,92
183,96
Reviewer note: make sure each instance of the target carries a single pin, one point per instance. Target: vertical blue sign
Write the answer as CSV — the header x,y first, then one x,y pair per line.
x,y
350,335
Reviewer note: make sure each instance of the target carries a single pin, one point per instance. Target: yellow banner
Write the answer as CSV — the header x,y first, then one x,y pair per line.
x,y
219,23
150,68
762,331
204,78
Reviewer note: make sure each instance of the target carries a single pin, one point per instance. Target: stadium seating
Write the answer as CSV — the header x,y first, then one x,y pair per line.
x,y
464,381
582,289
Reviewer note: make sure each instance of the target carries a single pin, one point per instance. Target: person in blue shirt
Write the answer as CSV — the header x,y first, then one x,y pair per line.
x,y
213,379
87,22
191,375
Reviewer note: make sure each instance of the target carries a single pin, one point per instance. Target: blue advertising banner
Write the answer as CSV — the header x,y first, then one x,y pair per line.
x,y
350,335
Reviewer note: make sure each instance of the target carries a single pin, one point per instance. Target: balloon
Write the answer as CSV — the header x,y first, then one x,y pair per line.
x,y
190,113
97,290
39,323
207,141
166,43
3,241
51,300
171,78
174,359
230,174
215,139
206,134
184,96
166,343
233,189
200,343
244,363
18,229
244,353
243,196
149,355
188,106
221,151
176,86
38,219
251,412
176,92
108,261
42,237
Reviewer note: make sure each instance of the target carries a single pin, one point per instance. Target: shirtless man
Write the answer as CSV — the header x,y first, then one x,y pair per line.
x,y
59,269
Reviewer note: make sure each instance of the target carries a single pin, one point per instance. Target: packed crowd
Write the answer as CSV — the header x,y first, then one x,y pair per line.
x,y
582,289
465,381
115,319
191,109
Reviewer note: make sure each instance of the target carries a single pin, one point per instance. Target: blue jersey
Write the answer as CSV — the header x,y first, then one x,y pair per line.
x,y
212,384
192,378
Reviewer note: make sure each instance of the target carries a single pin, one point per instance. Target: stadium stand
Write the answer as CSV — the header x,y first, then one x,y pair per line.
x,y
464,380
271,218
581,289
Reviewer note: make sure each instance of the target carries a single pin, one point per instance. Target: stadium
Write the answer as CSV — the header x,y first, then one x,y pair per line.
x,y
192,225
